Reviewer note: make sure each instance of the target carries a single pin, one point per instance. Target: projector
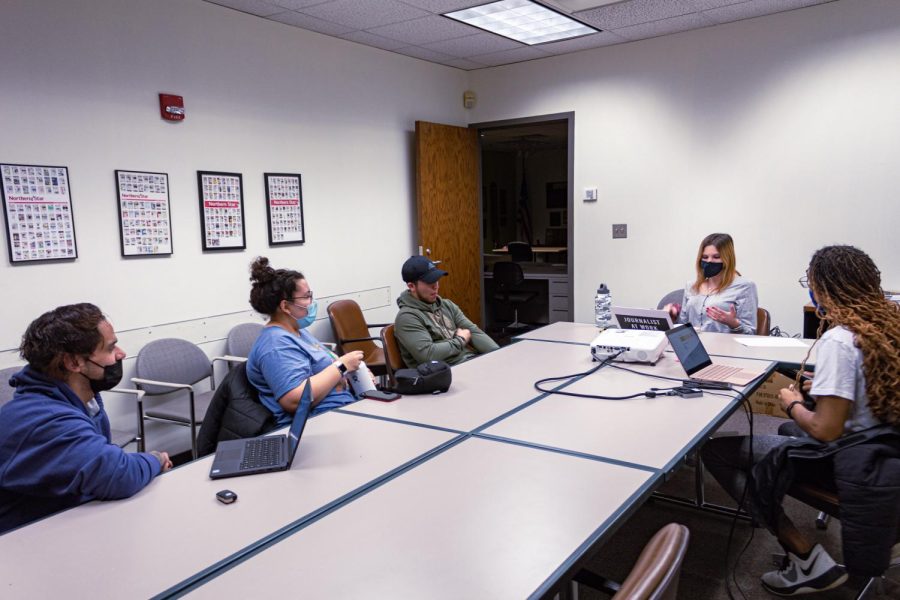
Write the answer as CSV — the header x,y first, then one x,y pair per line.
x,y
638,345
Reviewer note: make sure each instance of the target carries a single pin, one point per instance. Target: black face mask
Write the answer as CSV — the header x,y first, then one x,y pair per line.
x,y
711,269
112,375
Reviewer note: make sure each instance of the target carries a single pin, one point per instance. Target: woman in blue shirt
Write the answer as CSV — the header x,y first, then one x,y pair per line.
x,y
286,355
719,299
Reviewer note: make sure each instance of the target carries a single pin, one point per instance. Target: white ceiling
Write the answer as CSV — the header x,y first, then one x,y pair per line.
x,y
416,27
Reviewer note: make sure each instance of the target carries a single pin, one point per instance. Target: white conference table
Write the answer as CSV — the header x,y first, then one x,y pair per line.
x,y
483,519
484,388
175,527
717,344
492,489
645,432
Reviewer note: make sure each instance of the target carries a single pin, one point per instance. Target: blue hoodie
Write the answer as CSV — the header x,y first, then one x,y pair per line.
x,y
54,455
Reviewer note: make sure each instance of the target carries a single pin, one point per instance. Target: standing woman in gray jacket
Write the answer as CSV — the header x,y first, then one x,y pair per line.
x,y
719,299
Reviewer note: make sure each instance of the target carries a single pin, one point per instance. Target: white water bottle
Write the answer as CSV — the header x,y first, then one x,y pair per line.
x,y
602,304
361,379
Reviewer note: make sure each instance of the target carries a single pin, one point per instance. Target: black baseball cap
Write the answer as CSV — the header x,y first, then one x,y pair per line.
x,y
420,268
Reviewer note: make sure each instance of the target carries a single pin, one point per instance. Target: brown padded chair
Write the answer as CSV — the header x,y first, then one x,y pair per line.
x,y
763,321
393,358
656,573
351,332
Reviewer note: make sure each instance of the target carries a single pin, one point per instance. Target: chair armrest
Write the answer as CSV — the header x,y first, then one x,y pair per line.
x,y
379,325
139,394
365,339
230,359
174,386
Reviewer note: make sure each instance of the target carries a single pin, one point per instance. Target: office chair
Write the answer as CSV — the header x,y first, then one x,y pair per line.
x,y
238,343
763,320
508,278
393,360
673,297
656,573
520,251
352,333
117,436
166,369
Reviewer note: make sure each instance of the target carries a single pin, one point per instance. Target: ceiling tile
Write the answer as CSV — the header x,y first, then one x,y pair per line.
x,y
370,39
463,63
424,53
510,56
424,31
480,43
585,42
364,15
615,16
710,4
444,6
307,22
757,8
665,26
254,7
296,4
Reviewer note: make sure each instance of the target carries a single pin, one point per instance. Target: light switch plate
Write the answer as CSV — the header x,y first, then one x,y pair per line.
x,y
620,230
590,194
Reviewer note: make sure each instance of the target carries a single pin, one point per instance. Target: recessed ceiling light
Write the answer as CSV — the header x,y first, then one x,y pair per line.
x,y
523,21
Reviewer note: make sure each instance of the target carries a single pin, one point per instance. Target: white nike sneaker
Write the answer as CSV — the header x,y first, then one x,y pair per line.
x,y
817,573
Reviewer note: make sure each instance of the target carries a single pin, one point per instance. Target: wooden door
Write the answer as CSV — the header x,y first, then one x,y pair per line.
x,y
447,202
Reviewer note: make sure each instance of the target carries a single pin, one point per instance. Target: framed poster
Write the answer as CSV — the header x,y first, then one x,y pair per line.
x,y
221,210
37,205
284,208
145,223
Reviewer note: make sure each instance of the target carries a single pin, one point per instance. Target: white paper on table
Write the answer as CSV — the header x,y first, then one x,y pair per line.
x,y
764,341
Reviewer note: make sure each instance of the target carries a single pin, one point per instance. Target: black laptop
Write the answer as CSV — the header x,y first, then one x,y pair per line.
x,y
698,365
263,454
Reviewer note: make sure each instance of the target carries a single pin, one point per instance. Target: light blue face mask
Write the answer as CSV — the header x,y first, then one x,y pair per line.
x,y
310,317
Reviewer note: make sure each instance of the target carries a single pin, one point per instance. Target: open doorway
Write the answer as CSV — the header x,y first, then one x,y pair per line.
x,y
526,208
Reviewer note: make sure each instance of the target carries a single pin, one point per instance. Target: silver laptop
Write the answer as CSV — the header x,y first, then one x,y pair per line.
x,y
263,454
697,363
642,318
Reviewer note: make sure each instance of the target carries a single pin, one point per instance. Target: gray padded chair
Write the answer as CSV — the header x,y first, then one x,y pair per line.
x,y
6,390
675,296
166,369
239,342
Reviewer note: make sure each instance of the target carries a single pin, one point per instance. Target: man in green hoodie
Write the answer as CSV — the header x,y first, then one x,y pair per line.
x,y
429,327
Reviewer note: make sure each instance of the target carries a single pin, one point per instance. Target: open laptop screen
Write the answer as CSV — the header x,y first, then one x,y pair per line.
x,y
300,417
687,346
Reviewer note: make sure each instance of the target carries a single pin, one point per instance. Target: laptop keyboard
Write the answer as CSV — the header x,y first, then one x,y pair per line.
x,y
262,452
716,372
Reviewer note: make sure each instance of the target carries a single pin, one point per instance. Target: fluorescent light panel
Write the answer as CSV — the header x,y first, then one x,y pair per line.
x,y
523,21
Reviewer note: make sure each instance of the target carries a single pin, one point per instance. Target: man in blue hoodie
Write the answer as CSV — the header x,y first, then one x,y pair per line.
x,y
55,449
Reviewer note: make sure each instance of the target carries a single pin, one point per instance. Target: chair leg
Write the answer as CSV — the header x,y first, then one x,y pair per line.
x,y
873,588
822,520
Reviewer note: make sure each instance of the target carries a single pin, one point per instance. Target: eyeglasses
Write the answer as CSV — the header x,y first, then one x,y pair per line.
x,y
804,282
308,297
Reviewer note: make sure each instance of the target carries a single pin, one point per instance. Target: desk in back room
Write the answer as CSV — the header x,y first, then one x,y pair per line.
x,y
552,304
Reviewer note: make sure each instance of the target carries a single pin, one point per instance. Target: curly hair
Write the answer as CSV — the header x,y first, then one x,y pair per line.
x,y
847,287
66,330
270,286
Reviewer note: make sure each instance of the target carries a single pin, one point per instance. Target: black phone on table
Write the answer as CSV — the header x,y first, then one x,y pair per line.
x,y
380,395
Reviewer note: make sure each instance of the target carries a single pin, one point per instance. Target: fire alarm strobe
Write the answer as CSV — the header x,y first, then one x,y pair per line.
x,y
171,107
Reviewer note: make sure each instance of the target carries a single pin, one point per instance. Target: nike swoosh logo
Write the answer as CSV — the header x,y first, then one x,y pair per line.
x,y
806,572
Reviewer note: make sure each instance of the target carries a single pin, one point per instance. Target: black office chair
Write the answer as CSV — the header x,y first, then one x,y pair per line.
x,y
520,251
508,278
673,297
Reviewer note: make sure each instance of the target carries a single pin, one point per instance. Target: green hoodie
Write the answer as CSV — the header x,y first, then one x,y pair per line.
x,y
428,332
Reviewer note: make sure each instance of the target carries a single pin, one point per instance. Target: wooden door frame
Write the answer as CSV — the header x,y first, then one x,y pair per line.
x,y
569,118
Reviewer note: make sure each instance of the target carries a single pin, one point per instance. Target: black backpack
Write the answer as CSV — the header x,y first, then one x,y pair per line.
x,y
432,377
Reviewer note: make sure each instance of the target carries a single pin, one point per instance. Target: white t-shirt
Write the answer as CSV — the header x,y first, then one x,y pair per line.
x,y
839,372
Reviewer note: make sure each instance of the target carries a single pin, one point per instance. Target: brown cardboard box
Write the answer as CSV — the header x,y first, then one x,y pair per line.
x,y
764,400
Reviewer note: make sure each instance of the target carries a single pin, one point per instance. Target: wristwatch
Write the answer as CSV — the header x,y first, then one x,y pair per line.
x,y
341,367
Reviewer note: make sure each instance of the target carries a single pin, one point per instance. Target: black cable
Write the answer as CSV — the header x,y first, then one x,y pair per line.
x,y
606,361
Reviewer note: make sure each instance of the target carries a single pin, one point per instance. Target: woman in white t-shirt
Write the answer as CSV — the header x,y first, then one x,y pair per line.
x,y
854,388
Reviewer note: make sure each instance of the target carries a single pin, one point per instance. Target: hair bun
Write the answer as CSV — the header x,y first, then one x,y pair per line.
x,y
260,271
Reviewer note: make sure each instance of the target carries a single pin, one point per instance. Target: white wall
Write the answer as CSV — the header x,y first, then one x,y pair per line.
x,y
782,130
79,88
